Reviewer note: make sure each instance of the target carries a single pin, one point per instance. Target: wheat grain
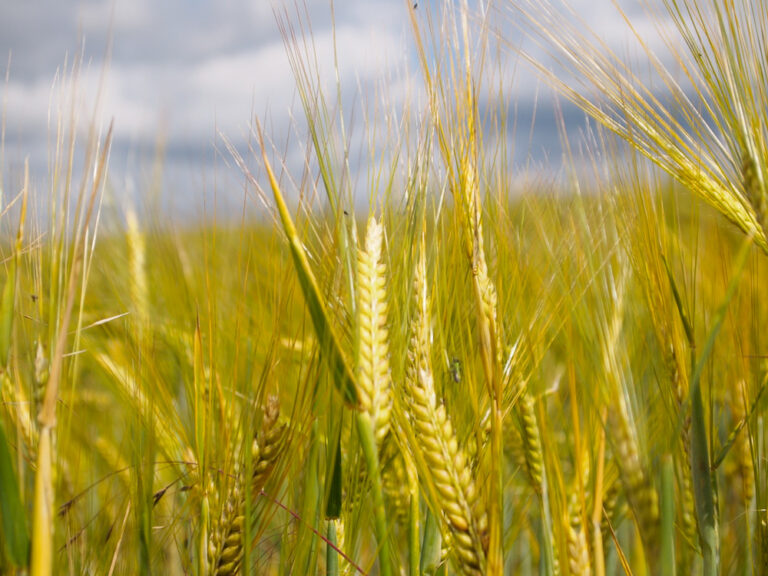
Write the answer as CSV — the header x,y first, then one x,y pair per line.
x,y
225,543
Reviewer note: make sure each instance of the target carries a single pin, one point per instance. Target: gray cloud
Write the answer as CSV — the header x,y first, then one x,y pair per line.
x,y
190,68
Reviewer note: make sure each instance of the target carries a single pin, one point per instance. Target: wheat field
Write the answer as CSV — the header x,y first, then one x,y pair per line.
x,y
466,376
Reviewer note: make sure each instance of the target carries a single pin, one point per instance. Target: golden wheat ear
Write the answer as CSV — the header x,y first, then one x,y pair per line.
x,y
226,544
267,445
444,464
374,382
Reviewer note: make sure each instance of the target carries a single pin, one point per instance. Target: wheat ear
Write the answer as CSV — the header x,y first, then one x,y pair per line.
x,y
267,445
373,381
578,549
225,548
444,461
640,492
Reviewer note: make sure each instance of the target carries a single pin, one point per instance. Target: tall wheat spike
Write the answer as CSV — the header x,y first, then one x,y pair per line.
x,y
374,380
446,466
531,441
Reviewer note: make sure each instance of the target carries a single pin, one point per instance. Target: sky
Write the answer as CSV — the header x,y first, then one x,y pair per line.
x,y
188,71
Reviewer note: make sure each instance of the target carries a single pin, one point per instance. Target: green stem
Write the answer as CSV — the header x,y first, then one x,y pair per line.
x,y
704,481
703,484
668,516
496,547
430,546
368,443
414,552
331,555
548,555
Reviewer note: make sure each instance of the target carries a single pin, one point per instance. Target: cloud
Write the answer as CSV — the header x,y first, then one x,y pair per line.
x,y
190,68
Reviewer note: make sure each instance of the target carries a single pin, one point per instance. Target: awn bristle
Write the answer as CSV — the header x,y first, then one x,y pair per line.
x,y
356,472
754,187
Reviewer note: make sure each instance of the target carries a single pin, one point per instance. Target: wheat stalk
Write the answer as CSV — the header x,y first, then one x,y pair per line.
x,y
745,466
